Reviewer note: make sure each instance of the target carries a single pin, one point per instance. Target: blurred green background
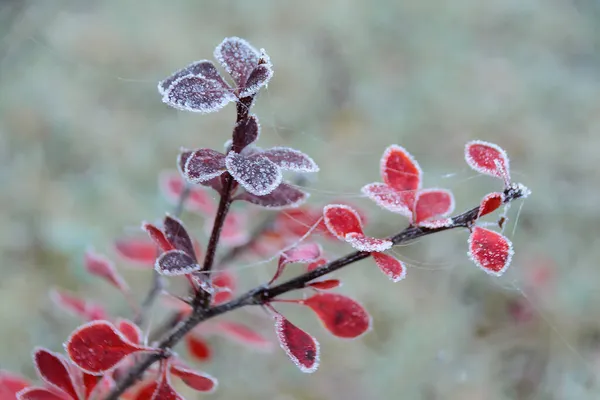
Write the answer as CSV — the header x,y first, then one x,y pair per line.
x,y
83,136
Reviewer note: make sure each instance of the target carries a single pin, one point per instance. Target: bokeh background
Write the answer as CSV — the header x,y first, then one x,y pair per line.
x,y
83,136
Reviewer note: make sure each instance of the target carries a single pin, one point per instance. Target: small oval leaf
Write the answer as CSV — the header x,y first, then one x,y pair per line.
x,y
341,315
301,348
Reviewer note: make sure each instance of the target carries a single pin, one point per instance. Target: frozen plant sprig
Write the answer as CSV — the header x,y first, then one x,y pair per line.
x,y
107,356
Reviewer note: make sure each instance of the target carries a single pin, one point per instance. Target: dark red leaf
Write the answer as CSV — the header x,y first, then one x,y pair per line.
x,y
10,385
290,159
490,251
284,196
176,262
158,236
203,68
177,235
244,335
364,243
341,220
393,268
245,133
341,315
164,389
257,174
490,203
400,170
238,58
432,204
301,348
77,306
130,330
198,94
197,348
326,284
203,165
198,381
102,267
98,347
258,78
53,368
141,252
34,393
488,158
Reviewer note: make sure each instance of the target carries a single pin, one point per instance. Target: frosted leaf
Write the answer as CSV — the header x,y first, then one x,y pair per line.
x,y
130,330
285,196
389,199
301,348
488,158
53,368
141,252
490,251
197,348
203,68
196,380
198,94
364,243
258,78
341,220
490,203
432,203
203,165
238,58
175,262
256,174
316,264
437,223
164,389
245,132
244,335
399,169
177,235
302,253
290,159
157,236
100,266
393,268
35,393
341,315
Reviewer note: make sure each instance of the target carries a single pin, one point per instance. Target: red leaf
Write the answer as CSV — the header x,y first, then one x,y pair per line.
x,y
238,58
198,381
77,306
341,220
284,196
175,262
10,385
34,393
145,391
390,199
198,348
341,315
225,285
433,204
141,252
327,284
302,253
203,165
291,159
364,243
393,268
400,170
245,132
258,78
490,251
98,346
158,236
490,203
177,235
257,174
314,265
301,348
53,368
488,158
164,389
198,94
102,267
90,382
198,200
130,330
244,335
297,222
203,68
234,232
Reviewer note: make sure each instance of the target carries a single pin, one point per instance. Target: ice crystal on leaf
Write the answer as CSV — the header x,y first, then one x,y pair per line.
x,y
345,223
364,243
488,158
284,196
432,204
301,348
390,266
290,159
256,173
198,94
203,165
341,315
490,251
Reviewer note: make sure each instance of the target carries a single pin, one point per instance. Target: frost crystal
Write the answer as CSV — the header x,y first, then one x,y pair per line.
x,y
399,169
198,94
393,268
204,68
390,199
290,159
245,133
363,243
488,158
256,174
285,196
258,78
490,251
238,58
341,220
203,165
176,262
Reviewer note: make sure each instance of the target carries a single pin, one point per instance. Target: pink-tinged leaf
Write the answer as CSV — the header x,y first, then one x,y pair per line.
x,y
392,267
34,393
102,267
316,264
10,385
203,165
198,200
290,159
164,389
364,243
225,284
400,170
77,306
177,235
285,196
341,220
297,222
390,199
53,368
238,58
437,223
130,330
303,253
490,251
157,236
198,348
202,68
341,315
244,335
488,158
198,94
98,347
176,262
301,348
198,381
245,133
326,284
140,252
433,204
256,174
235,229
258,78
490,203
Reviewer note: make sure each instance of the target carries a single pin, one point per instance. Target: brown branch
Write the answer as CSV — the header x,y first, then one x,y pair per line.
x,y
264,294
